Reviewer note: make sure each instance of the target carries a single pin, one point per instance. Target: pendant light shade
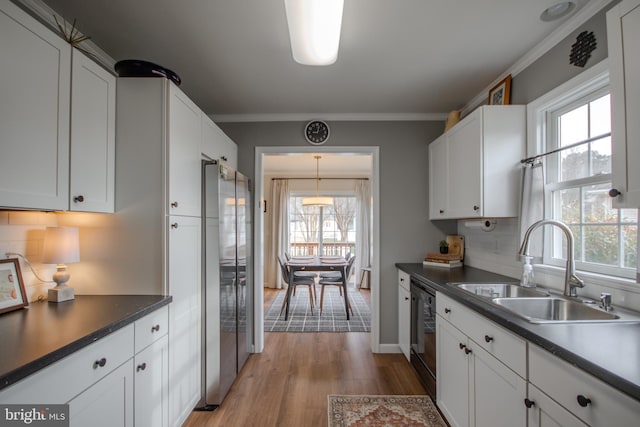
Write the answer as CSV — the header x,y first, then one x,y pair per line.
x,y
314,30
317,200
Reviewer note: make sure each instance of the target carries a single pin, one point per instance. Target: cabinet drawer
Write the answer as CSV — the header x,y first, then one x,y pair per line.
x,y
564,382
63,380
151,327
504,345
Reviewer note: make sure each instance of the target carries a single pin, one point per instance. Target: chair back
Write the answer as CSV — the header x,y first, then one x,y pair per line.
x,y
350,266
284,269
347,256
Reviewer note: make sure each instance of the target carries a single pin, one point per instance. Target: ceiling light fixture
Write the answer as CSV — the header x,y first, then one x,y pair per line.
x,y
557,11
314,30
317,200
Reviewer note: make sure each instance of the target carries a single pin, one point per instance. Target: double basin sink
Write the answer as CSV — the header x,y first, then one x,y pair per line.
x,y
537,305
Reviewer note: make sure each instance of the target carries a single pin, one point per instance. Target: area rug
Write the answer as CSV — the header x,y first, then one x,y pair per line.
x,y
383,411
332,319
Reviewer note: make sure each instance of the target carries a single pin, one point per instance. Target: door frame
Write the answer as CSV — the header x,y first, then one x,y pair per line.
x,y
258,336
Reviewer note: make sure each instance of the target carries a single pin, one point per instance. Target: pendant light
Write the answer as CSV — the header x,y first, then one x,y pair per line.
x,y
317,200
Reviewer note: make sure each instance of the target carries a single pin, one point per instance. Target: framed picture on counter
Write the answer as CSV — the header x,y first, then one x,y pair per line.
x,y
500,94
12,293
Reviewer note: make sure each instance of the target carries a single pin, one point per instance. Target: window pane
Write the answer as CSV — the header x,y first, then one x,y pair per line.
x,y
629,215
601,156
597,204
574,126
601,244
567,203
574,163
629,246
600,116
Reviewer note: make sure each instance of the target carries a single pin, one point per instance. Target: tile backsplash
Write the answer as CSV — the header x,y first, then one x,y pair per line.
x,y
22,232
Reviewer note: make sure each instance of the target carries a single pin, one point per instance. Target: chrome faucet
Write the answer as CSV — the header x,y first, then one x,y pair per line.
x,y
571,281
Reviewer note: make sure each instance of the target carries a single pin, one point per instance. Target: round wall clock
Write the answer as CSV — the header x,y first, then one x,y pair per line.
x,y
316,132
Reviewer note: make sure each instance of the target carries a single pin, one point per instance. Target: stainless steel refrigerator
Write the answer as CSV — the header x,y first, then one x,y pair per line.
x,y
227,279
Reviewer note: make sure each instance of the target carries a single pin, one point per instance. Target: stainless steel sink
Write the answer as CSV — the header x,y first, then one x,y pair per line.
x,y
556,310
500,290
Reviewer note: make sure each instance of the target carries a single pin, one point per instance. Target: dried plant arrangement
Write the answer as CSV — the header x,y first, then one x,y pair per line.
x,y
73,36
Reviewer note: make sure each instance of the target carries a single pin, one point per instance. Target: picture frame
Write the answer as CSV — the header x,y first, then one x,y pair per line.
x,y
500,94
12,293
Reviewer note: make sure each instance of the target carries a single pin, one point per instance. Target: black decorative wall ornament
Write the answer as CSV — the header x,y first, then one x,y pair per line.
x,y
582,48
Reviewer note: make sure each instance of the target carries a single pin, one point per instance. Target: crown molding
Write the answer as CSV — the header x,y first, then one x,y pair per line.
x,y
559,34
334,117
46,15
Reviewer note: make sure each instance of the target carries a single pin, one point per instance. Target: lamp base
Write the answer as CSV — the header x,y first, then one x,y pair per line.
x,y
60,294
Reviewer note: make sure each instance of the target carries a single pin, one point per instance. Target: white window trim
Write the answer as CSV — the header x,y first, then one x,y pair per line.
x,y
593,79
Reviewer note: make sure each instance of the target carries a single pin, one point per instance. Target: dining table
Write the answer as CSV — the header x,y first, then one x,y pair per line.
x,y
316,264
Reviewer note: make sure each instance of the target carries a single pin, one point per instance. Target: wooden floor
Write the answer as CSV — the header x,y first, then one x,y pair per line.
x,y
288,384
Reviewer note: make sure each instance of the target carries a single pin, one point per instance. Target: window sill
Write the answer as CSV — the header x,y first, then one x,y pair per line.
x,y
589,278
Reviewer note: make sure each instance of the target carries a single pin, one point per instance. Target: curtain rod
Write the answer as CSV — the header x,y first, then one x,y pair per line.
x,y
536,157
320,179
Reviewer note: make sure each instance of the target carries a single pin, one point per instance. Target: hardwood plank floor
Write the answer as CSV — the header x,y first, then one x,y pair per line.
x,y
288,383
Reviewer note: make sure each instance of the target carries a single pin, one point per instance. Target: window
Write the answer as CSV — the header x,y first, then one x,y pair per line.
x,y
326,230
578,182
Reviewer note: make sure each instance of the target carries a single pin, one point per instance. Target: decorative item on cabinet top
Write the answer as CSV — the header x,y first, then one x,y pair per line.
x,y
140,68
500,94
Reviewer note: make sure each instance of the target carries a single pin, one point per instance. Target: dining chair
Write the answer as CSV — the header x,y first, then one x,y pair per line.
x,y
335,275
297,281
337,281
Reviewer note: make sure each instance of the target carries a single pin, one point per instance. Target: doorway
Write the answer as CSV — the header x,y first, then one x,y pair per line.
x,y
349,157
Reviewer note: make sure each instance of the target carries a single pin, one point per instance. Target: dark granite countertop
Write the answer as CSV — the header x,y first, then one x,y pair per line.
x,y
43,333
608,351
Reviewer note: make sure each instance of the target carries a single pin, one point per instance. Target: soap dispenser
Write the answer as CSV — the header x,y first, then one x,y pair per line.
x,y
527,273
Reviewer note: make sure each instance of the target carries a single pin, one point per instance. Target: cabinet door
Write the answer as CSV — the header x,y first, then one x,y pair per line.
x,y
93,125
183,154
453,386
438,179
545,412
495,385
216,144
464,172
404,320
184,317
623,30
34,113
151,385
107,403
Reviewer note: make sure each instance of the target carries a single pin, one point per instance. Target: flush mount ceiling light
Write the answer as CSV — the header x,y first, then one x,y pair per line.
x,y
317,200
314,30
557,11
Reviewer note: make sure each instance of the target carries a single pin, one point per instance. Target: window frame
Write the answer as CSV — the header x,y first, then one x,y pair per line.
x,y
586,87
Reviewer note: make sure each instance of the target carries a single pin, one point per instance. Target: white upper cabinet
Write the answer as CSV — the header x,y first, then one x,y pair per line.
x,y
474,167
34,113
184,154
216,144
93,100
623,31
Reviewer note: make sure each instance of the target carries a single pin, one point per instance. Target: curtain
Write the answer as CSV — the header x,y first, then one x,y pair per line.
x,y
363,227
279,227
532,206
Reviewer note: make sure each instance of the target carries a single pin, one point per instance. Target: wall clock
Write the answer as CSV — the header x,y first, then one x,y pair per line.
x,y
316,132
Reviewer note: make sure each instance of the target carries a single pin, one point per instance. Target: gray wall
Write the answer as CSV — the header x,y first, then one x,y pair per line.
x,y
406,233
553,68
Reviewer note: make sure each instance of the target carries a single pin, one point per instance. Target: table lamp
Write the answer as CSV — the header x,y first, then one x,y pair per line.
x,y
60,247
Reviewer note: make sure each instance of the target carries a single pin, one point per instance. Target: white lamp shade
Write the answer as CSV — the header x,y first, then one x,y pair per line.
x,y
60,245
317,201
314,30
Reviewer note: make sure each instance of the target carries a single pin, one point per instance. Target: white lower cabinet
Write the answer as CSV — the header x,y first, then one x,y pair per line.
x,y
107,403
114,382
545,412
481,369
475,388
404,313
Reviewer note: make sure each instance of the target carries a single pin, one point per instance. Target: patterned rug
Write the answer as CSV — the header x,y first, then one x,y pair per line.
x,y
333,318
383,411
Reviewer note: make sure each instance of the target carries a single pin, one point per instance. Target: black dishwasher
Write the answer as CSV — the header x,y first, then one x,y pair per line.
x,y
423,334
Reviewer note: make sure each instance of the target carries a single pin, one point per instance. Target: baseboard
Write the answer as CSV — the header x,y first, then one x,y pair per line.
x,y
389,348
